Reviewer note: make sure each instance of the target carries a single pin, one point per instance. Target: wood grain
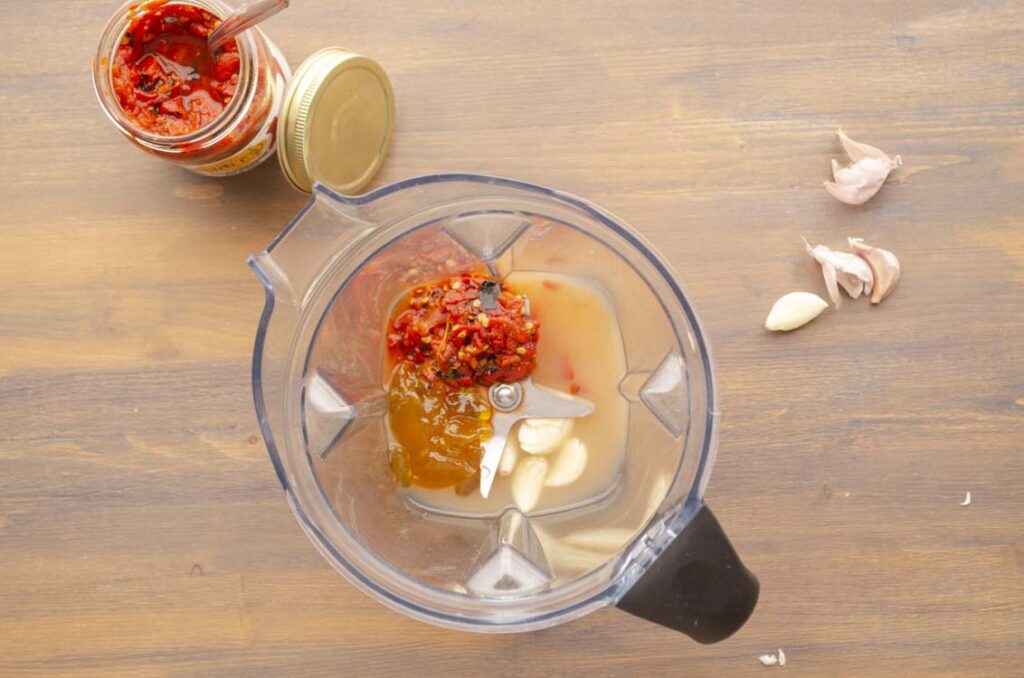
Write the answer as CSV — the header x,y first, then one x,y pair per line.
x,y
142,530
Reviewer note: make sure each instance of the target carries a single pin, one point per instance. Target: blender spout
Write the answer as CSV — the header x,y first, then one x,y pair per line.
x,y
327,226
274,280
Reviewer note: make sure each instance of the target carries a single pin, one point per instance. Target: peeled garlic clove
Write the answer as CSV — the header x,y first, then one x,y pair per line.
x,y
527,482
601,539
794,310
509,457
563,556
842,268
884,266
543,436
859,181
567,466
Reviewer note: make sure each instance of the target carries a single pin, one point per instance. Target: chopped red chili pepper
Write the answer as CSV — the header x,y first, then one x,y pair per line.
x,y
466,330
165,78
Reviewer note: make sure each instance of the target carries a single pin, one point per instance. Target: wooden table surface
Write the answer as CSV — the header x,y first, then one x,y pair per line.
x,y
142,529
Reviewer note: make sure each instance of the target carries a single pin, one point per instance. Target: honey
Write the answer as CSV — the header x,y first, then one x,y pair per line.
x,y
437,431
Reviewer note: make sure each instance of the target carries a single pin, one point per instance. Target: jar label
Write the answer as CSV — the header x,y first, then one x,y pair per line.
x,y
255,152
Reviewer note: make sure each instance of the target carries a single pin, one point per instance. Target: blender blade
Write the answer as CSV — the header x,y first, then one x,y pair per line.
x,y
522,400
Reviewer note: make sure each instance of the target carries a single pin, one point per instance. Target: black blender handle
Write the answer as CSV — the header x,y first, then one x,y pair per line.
x,y
698,585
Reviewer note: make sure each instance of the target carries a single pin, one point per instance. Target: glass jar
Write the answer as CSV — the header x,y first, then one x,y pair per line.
x,y
242,136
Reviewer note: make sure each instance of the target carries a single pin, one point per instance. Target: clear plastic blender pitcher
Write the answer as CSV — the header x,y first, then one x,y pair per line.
x,y
319,373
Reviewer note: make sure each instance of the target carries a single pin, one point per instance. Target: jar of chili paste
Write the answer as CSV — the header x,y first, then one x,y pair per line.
x,y
157,81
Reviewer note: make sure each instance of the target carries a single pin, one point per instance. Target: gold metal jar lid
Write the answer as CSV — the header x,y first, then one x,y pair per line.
x,y
336,121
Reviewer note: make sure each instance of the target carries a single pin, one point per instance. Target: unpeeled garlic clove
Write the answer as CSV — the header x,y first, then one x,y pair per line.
x,y
859,181
543,436
842,268
601,539
567,466
527,482
509,457
884,266
794,310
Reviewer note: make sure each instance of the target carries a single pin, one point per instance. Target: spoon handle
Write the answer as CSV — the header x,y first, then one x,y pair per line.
x,y
244,18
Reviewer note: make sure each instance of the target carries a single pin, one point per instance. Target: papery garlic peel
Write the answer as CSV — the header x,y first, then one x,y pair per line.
x,y
859,181
884,266
794,310
842,268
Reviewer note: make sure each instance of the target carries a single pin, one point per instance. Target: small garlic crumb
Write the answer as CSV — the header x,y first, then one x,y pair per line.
x,y
456,285
772,659
967,500
859,181
794,310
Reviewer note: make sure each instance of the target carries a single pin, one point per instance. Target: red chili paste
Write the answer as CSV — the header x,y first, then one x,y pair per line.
x,y
164,75
466,330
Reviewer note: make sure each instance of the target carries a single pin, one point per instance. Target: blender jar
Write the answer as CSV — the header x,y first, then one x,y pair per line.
x,y
648,545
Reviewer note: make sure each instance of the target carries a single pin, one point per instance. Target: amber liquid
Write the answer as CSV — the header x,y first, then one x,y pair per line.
x,y
580,351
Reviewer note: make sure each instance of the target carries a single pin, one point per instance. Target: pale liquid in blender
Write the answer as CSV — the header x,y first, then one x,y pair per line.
x,y
580,344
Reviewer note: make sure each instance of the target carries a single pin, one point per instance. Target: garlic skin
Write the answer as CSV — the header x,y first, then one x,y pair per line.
x,y
528,481
842,268
568,465
794,310
859,181
884,266
543,436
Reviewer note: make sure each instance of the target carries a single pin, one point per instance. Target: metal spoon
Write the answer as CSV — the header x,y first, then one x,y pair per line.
x,y
242,19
